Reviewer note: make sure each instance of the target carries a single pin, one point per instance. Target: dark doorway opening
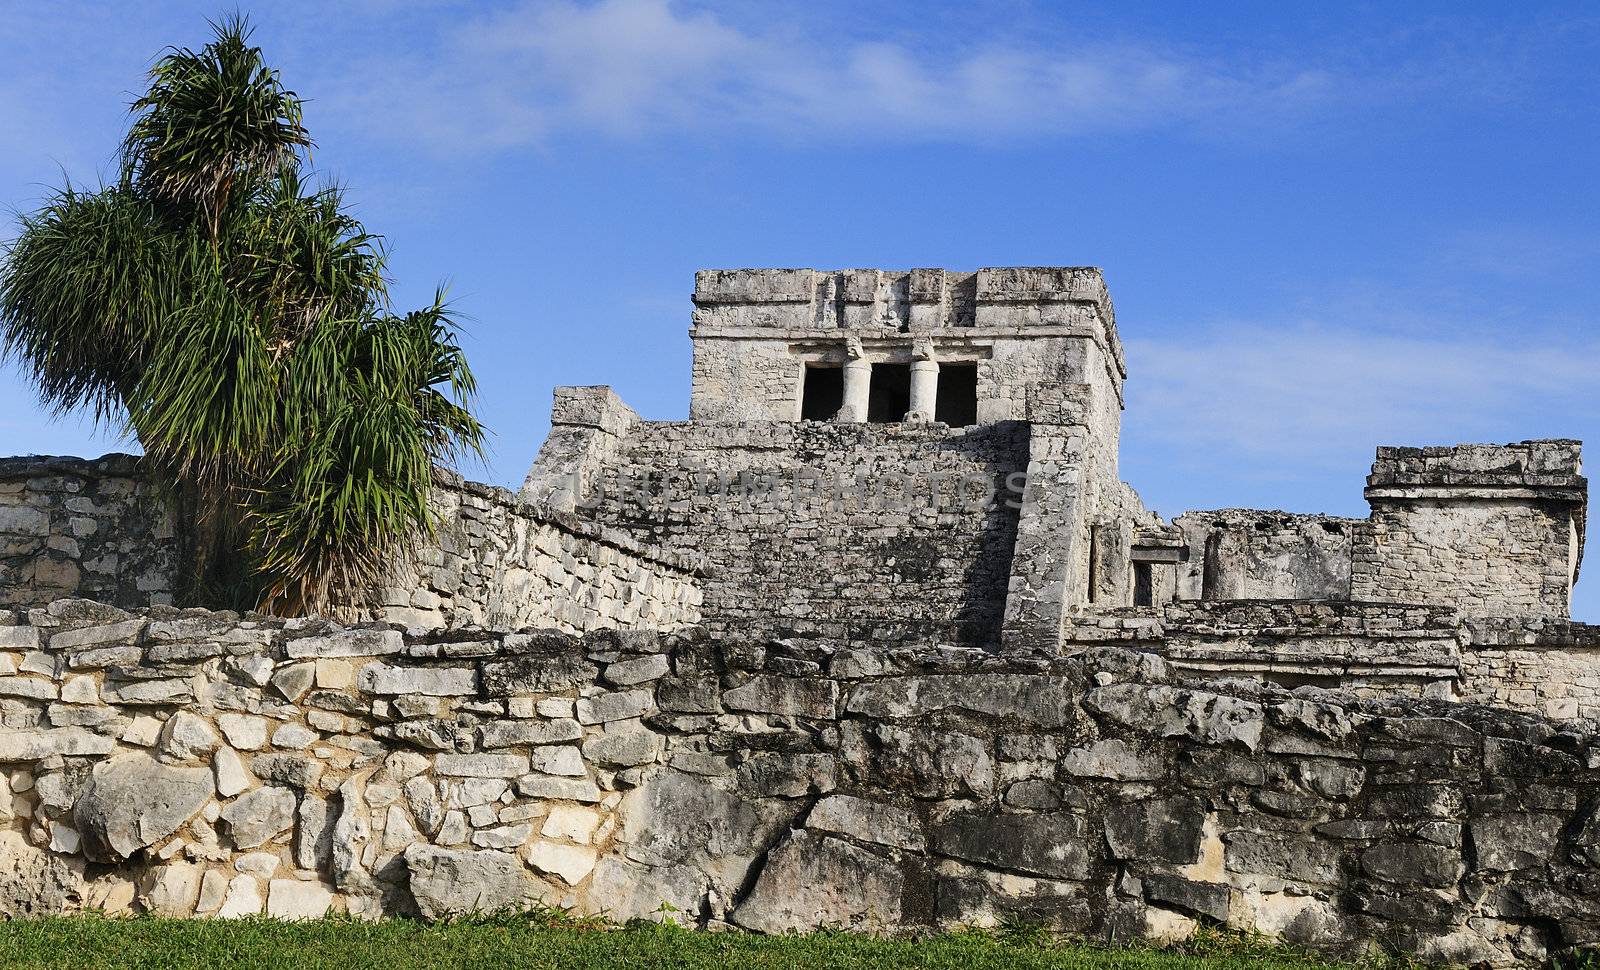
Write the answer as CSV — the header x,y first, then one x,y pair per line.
x,y
1144,586
889,396
822,394
957,401
1094,565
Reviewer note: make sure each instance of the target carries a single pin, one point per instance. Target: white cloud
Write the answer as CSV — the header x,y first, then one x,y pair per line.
x,y
1296,400
644,66
460,77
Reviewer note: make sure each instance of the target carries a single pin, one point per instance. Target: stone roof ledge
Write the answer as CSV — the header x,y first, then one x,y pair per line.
x,y
919,300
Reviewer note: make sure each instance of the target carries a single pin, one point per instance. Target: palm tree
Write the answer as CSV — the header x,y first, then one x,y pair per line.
x,y
235,320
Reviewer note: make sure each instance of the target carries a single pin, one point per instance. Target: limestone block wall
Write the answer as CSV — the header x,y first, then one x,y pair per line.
x,y
1551,667
1372,649
866,531
1050,560
1020,375
1535,665
1494,557
588,427
1369,649
1077,520
1495,530
499,562
1251,554
756,380
100,528
83,527
205,764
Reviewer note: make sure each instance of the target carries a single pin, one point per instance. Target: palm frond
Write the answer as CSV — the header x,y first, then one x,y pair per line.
x,y
84,283
237,321
381,402
214,123
207,400
307,257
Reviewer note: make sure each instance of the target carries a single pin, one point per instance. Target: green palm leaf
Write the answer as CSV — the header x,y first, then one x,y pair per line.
x,y
235,319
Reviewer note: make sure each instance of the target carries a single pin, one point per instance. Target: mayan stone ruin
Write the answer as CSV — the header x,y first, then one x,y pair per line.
x,y
878,639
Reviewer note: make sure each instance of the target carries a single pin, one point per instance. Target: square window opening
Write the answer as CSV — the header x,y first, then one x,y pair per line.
x,y
822,393
957,401
889,394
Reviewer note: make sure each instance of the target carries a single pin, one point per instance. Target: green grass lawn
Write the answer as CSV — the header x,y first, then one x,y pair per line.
x,y
82,942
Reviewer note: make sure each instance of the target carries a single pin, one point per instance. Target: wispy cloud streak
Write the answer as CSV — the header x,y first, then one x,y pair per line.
x,y
648,66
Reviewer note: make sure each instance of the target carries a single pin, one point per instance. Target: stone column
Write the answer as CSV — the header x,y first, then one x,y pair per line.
x,y
857,384
924,389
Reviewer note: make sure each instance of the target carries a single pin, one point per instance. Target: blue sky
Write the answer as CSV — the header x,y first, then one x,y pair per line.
x,y
1325,226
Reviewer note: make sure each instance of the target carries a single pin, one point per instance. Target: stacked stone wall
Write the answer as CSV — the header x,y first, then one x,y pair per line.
x,y
1251,554
80,527
205,764
501,563
101,529
1051,557
1531,664
1495,530
1550,667
1369,649
1495,557
848,531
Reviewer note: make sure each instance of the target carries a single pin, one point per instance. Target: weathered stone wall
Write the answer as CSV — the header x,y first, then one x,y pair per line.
x,y
1496,557
100,529
1370,649
214,765
1251,554
840,557
1495,530
588,428
83,527
1050,559
1550,667
501,563
866,531
1534,665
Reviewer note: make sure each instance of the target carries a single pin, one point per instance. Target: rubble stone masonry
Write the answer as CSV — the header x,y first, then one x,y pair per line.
x,y
499,562
184,762
102,529
74,527
1494,529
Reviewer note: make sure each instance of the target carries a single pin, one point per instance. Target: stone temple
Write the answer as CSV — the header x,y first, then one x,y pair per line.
x,y
930,457
878,638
